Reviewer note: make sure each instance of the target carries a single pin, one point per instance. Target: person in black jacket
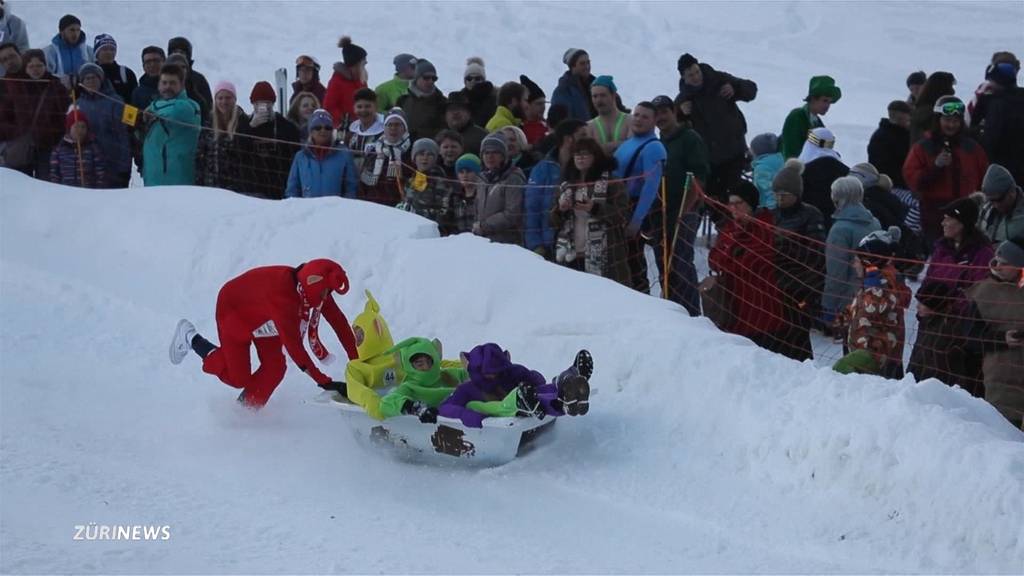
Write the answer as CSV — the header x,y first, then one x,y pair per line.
x,y
269,144
822,167
709,102
1002,130
481,95
890,144
196,85
800,260
121,77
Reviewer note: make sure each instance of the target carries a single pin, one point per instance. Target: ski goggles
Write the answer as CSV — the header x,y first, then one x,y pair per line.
x,y
307,61
951,108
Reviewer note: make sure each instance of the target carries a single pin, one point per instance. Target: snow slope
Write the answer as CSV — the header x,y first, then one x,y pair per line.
x,y
702,453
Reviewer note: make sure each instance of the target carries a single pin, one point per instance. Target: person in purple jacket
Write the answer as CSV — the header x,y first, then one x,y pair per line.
x,y
497,387
961,257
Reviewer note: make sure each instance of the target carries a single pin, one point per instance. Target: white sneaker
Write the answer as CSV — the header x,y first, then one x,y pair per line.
x,y
182,341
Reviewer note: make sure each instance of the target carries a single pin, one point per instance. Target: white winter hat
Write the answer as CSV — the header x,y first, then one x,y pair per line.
x,y
475,67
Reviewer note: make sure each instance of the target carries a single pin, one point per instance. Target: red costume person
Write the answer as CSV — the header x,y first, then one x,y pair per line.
x,y
271,307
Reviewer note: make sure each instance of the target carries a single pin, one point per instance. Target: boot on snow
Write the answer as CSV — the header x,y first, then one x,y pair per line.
x,y
182,341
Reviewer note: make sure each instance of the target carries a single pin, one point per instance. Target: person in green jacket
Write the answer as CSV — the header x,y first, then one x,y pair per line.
x,y
821,94
425,383
511,100
686,153
389,92
172,134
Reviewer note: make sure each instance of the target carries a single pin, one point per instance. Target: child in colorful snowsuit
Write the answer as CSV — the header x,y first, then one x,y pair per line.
x,y
497,387
426,382
77,160
875,317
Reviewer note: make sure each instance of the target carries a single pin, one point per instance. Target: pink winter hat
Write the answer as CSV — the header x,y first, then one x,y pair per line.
x,y
225,85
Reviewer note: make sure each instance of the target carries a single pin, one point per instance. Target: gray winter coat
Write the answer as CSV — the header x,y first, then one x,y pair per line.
x,y
851,225
12,29
499,210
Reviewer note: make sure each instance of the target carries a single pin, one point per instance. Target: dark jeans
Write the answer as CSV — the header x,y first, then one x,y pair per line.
x,y
682,280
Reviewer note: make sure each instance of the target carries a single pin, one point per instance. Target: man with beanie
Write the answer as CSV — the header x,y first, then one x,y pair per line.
x,y
1002,126
573,90
12,29
765,162
534,125
457,117
879,201
389,92
307,79
945,165
611,125
499,206
822,93
915,82
542,188
511,98
890,143
270,143
997,330
1002,216
462,201
852,222
641,160
104,110
153,58
709,102
196,86
423,104
800,263
121,77
68,49
479,92
349,76
427,189
976,107
685,153
172,133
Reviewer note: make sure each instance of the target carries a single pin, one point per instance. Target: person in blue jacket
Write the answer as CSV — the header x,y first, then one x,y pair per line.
x,y
68,50
640,160
542,187
172,133
573,91
103,107
319,169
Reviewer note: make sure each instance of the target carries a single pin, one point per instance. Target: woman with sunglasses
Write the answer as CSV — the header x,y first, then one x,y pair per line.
x,y
481,94
945,165
319,169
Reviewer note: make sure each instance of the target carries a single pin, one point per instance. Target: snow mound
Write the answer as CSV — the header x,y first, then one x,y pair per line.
x,y
701,453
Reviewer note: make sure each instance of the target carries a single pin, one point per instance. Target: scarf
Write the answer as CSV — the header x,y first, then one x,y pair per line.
x,y
310,324
386,153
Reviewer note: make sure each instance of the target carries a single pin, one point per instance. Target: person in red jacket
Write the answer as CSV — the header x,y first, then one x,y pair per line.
x,y
944,165
349,76
744,257
270,307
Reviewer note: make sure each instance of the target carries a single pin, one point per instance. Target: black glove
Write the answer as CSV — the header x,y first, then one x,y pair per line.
x,y
526,401
411,407
429,416
335,386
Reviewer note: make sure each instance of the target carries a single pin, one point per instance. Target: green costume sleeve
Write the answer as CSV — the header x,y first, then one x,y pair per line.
x,y
391,405
794,132
503,409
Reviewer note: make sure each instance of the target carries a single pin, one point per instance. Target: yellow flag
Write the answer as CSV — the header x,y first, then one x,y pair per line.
x,y
419,182
130,115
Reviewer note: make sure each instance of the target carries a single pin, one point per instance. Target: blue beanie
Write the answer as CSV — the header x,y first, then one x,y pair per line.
x,y
607,82
320,117
103,40
469,162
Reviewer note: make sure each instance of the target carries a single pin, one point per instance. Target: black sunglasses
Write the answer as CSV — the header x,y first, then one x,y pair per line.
x,y
473,78
321,128
431,78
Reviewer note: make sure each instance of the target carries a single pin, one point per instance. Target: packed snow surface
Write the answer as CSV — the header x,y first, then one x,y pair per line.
x,y
701,453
